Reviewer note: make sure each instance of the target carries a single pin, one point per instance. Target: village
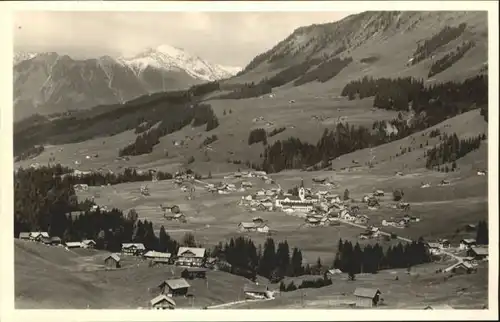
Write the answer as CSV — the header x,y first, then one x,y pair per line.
x,y
319,207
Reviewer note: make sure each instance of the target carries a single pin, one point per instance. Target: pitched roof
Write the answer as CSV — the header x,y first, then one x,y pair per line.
x,y
433,245
73,244
113,256
88,241
161,298
247,225
254,288
480,250
177,283
468,241
136,245
198,252
366,292
153,253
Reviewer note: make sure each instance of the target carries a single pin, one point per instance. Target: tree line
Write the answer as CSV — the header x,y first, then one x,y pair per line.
x,y
316,283
440,39
324,71
178,118
256,136
372,258
271,261
449,59
482,233
450,150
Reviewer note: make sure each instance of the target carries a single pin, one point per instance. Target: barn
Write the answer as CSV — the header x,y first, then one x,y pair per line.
x,y
255,291
162,302
367,297
112,261
174,287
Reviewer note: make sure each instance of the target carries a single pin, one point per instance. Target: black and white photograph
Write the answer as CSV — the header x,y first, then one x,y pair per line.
x,y
218,159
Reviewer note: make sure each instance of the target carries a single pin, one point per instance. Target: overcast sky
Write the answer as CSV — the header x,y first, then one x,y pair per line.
x,y
227,38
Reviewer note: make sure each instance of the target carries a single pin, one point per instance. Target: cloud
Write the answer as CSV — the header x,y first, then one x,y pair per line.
x,y
231,38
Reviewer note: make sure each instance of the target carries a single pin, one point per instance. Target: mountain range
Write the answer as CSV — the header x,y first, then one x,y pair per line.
x,y
50,83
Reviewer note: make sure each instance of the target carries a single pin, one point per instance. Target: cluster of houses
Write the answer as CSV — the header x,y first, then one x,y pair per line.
x,y
251,174
256,225
403,222
473,251
45,238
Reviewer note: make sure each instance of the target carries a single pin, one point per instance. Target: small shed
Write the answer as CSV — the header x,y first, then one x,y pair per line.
x,y
174,287
255,290
24,236
112,261
333,272
162,302
367,297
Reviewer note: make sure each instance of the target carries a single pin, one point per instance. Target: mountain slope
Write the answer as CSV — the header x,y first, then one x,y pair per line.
x,y
380,44
47,83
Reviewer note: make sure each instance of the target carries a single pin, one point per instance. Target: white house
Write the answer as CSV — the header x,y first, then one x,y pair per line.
x,y
434,248
467,243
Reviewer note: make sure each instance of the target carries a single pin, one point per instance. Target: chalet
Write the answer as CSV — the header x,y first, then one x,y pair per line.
x,y
256,291
479,253
190,256
246,184
174,287
312,221
260,227
434,248
162,302
158,257
88,243
24,236
56,241
194,272
73,244
333,198
248,198
80,187
361,219
112,261
39,236
379,193
367,297
467,243
414,219
135,249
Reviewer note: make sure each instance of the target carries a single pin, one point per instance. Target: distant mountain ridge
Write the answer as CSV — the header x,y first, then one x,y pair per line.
x,y
47,83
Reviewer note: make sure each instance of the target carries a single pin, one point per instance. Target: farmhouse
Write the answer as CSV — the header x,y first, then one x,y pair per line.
x,y
367,297
444,243
88,243
258,226
162,302
174,287
460,268
158,257
81,187
112,261
135,249
194,272
73,244
39,236
256,291
434,248
190,256
467,243
379,193
479,253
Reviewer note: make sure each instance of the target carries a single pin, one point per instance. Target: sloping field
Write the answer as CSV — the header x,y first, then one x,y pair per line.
x,y
53,278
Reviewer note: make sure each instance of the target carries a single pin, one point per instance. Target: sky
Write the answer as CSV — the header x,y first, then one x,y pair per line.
x,y
226,38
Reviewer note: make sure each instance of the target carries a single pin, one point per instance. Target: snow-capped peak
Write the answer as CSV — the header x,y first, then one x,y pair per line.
x,y
173,58
21,55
